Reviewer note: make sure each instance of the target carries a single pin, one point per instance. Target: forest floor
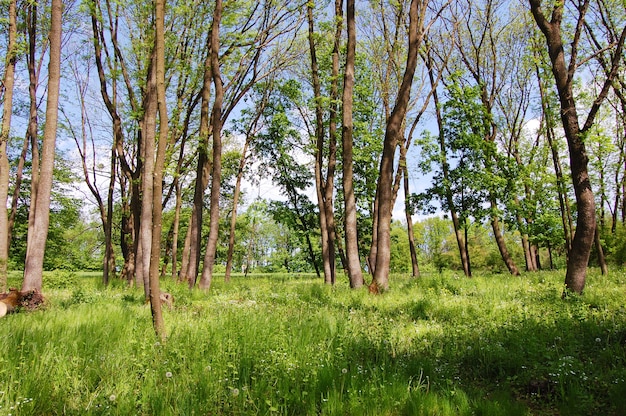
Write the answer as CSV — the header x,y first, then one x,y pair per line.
x,y
289,345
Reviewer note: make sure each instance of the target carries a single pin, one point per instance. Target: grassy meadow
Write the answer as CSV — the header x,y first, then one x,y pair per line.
x,y
289,345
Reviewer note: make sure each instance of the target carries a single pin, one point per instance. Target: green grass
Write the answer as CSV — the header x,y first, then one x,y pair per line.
x,y
288,345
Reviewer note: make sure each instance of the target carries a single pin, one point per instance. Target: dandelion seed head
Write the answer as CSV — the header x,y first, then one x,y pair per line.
x,y
168,374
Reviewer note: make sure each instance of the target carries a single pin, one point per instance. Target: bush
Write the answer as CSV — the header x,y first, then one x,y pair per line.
x,y
60,279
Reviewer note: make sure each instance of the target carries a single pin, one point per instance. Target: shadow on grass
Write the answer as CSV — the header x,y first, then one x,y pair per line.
x,y
569,360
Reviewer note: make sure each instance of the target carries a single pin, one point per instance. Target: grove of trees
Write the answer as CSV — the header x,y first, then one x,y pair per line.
x,y
134,135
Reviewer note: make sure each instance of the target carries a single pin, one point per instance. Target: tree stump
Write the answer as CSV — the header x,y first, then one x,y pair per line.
x,y
10,302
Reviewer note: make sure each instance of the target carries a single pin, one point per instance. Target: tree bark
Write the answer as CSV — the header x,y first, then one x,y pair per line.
x,y
33,267
7,111
321,185
355,274
193,241
176,229
216,177
504,252
564,76
33,123
392,134
233,215
147,135
157,195
415,270
601,259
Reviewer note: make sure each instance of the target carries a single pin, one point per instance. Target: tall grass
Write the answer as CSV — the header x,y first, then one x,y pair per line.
x,y
438,345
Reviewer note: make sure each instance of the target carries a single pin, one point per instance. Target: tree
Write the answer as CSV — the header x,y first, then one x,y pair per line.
x,y
157,196
280,147
564,77
395,122
33,267
438,154
355,274
325,185
484,29
216,172
5,128
90,164
249,131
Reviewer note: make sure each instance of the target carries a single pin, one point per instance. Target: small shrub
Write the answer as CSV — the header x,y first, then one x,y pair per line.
x,y
60,279
80,295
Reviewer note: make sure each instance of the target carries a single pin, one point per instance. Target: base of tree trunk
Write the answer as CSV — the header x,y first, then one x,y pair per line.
x,y
15,300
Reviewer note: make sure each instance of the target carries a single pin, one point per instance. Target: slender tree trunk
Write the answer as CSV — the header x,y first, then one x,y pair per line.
x,y
109,253
5,128
33,122
415,270
504,253
329,186
601,259
458,230
340,250
33,267
126,234
233,215
566,214
176,226
355,275
117,155
16,191
329,277
157,195
193,241
184,263
31,130
371,258
216,177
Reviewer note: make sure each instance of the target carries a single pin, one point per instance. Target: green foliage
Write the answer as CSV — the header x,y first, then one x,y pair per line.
x,y
288,344
400,252
60,279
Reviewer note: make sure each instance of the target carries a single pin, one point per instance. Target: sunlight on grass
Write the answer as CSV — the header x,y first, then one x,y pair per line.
x,y
441,345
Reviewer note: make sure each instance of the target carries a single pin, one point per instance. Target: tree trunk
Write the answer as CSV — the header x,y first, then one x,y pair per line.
x,y
321,186
355,274
458,232
233,215
415,270
392,134
157,195
600,251
193,241
216,177
504,252
329,186
176,227
33,124
147,153
33,267
564,75
109,253
7,111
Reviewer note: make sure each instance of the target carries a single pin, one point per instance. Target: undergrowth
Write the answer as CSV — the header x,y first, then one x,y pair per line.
x,y
438,345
